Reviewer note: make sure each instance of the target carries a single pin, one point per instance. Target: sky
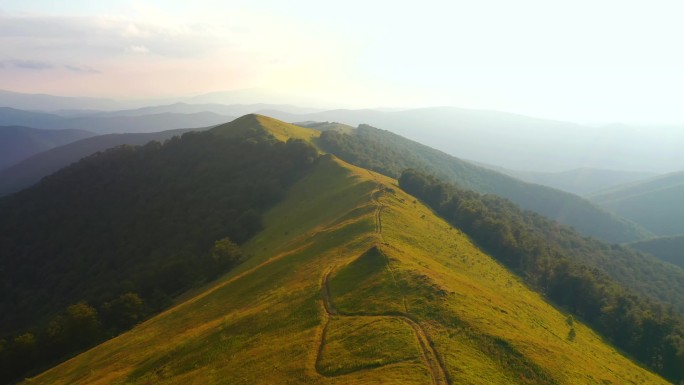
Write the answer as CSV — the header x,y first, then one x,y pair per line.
x,y
598,61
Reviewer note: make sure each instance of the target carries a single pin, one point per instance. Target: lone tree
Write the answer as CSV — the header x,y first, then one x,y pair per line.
x,y
225,253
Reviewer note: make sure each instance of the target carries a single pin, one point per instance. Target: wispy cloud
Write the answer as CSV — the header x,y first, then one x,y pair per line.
x,y
139,49
38,65
81,70
27,64
173,53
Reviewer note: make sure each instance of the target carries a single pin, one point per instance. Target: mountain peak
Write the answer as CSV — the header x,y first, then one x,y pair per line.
x,y
251,125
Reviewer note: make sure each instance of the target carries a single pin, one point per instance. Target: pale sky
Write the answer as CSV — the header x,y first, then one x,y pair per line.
x,y
583,61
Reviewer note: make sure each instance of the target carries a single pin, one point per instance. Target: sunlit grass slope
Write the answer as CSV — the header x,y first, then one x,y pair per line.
x,y
250,124
396,271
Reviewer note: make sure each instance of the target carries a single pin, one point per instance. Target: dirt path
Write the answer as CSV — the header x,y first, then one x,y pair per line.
x,y
378,210
428,353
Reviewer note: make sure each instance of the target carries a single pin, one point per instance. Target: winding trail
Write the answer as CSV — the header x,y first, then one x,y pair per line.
x,y
428,353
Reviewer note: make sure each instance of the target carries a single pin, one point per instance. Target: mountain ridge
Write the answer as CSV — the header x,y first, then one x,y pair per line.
x,y
33,169
389,153
18,143
652,203
113,124
287,272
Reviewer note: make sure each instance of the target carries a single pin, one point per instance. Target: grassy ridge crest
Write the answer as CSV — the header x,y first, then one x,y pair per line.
x,y
263,322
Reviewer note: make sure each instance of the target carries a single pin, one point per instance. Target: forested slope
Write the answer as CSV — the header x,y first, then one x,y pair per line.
x,y
151,221
390,154
571,271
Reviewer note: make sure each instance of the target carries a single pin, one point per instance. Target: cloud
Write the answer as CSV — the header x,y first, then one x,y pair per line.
x,y
27,64
138,49
99,36
81,70
37,65
234,49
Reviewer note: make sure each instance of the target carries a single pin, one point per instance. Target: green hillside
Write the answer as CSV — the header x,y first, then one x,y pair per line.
x,y
557,262
669,249
654,204
390,154
94,248
352,281
252,125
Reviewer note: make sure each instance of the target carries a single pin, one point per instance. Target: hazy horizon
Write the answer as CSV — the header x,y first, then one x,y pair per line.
x,y
584,62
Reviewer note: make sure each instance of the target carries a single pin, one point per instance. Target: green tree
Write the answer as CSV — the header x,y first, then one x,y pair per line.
x,y
123,312
82,325
225,252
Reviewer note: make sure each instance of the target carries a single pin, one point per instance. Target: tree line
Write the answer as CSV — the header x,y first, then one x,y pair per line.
x,y
133,222
544,254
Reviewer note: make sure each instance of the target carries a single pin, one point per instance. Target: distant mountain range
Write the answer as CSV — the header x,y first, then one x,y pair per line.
x,y
31,170
80,105
519,142
113,124
390,154
18,143
502,139
580,181
669,249
219,109
655,204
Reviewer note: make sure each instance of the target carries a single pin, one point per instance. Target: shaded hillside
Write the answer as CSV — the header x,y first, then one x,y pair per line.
x,y
18,143
561,264
144,219
668,249
33,169
519,142
654,204
352,282
581,181
114,124
390,154
15,117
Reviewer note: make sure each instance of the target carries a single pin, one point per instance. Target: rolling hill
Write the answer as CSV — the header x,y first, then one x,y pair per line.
x,y
18,143
519,142
112,124
213,102
43,102
669,249
390,154
372,288
220,109
654,204
34,168
580,181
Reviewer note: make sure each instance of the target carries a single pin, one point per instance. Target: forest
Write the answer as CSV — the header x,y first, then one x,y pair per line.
x,y
544,254
98,246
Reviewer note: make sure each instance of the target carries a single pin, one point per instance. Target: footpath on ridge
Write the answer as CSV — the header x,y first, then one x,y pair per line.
x,y
429,356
